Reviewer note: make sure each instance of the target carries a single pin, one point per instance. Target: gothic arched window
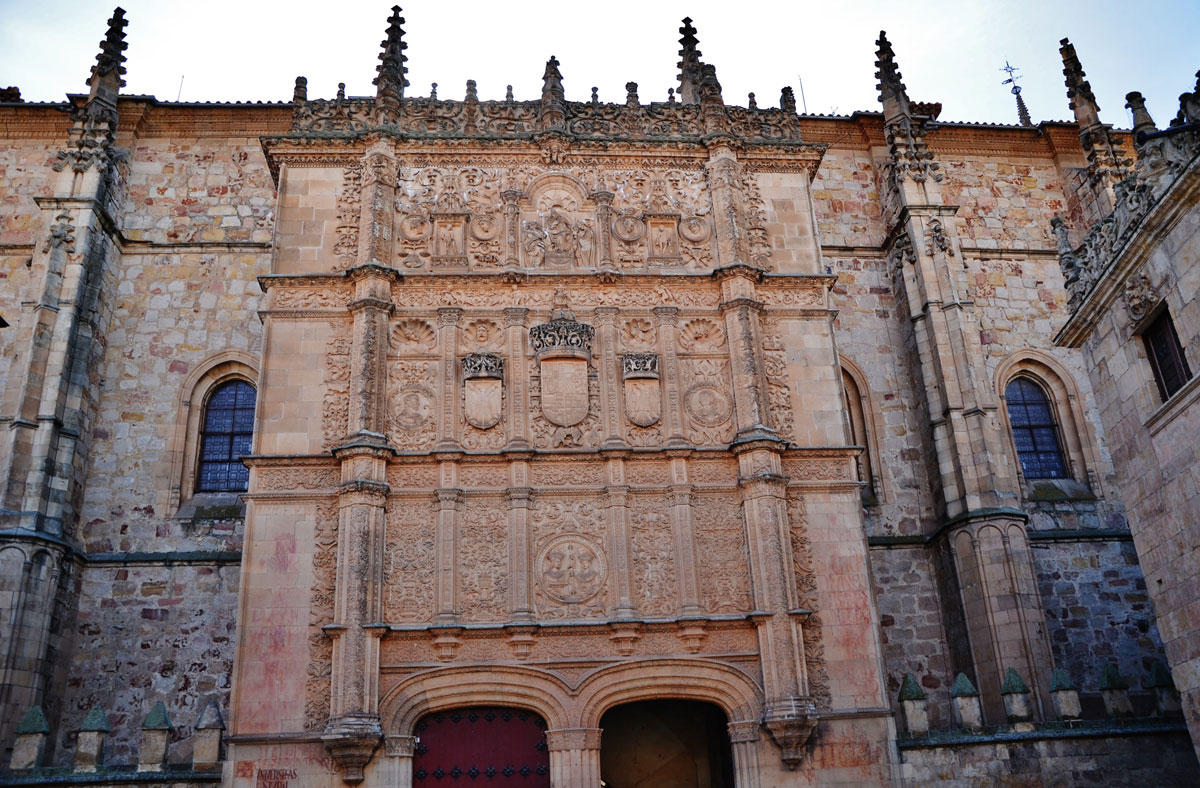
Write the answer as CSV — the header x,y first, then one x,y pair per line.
x,y
225,437
1034,430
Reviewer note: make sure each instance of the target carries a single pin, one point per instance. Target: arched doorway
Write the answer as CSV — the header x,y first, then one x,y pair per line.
x,y
665,744
481,745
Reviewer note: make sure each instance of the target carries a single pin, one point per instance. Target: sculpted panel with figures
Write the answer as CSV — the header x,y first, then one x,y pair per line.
x,y
456,217
570,566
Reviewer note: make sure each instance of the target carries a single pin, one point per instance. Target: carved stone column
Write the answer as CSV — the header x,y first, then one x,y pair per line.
x,y
666,317
448,426
603,200
378,205
574,757
518,381
372,307
788,714
395,769
744,736
617,503
610,377
518,554
725,187
353,731
446,548
740,309
512,230
684,530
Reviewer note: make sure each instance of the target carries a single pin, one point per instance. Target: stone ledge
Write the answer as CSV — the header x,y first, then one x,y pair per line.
x,y
1081,729
112,775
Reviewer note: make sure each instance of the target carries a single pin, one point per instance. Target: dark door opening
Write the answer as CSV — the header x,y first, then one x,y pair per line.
x,y
481,745
665,744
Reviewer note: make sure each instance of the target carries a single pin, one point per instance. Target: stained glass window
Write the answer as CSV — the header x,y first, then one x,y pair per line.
x,y
1034,431
228,427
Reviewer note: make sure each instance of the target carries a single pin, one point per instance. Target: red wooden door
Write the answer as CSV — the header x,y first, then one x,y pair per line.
x,y
481,746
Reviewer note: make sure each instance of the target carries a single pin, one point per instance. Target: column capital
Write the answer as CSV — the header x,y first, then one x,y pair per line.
x,y
573,739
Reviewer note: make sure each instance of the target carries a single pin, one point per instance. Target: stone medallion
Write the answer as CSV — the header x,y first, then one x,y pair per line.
x,y
414,407
707,405
571,569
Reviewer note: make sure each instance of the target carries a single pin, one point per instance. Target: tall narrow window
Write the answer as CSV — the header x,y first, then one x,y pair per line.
x,y
228,427
1034,431
1166,355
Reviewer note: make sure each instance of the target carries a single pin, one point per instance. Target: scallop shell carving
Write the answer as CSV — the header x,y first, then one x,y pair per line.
x,y
414,335
701,335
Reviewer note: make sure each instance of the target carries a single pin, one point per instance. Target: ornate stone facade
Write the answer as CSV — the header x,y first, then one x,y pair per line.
x,y
552,416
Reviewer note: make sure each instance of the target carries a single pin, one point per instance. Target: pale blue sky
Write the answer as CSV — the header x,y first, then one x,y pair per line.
x,y
948,51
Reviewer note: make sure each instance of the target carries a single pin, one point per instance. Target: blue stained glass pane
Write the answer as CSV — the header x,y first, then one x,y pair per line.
x,y
228,427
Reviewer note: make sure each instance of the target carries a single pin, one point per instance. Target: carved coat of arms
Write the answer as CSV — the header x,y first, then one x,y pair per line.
x,y
643,394
483,389
563,346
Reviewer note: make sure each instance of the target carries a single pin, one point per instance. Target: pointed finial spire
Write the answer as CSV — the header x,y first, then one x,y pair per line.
x,y
433,91
300,91
1142,122
1079,90
751,101
508,94
787,100
892,93
390,82
595,95
1022,110
472,91
106,79
689,64
631,94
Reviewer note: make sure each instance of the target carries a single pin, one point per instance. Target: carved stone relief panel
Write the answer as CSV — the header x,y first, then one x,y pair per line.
x,y
549,435
723,573
345,249
335,412
570,566
638,335
702,335
779,392
806,588
483,576
558,226
661,219
707,400
409,562
653,541
320,647
414,337
448,217
413,414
